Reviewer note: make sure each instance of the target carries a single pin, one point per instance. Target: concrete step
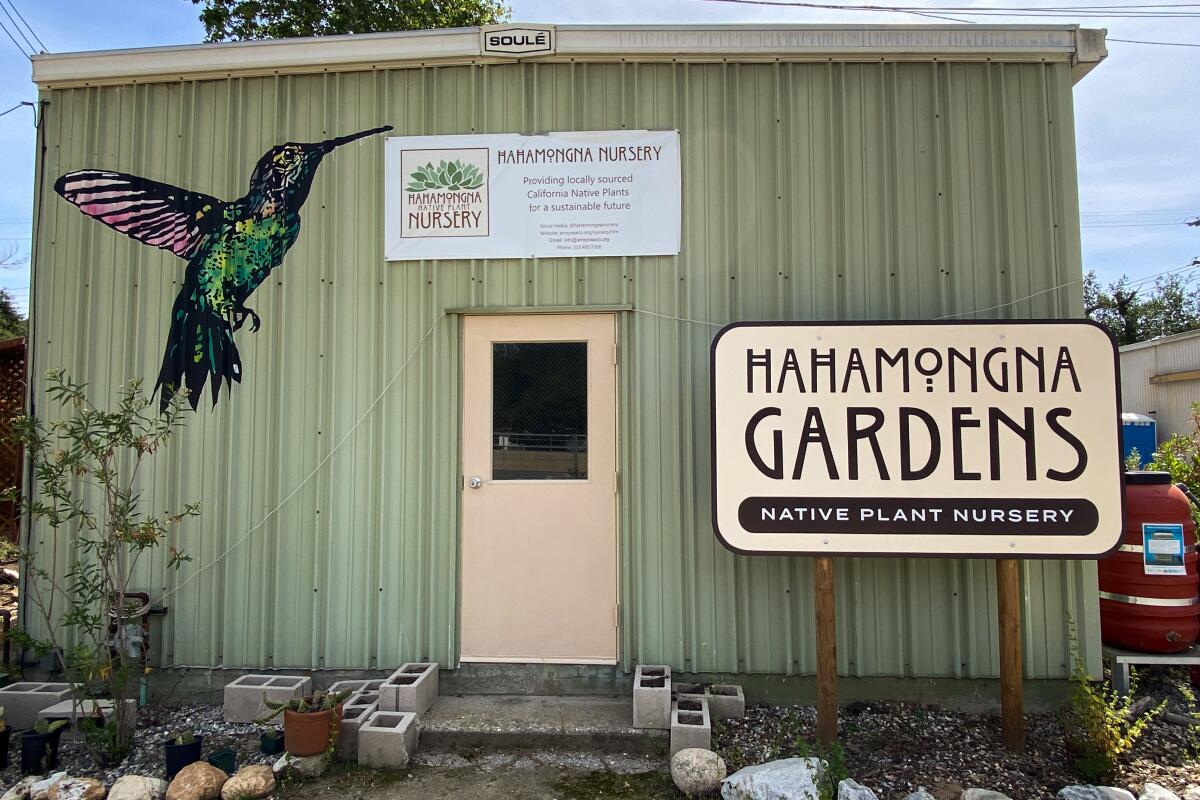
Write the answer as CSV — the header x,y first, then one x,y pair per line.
x,y
514,722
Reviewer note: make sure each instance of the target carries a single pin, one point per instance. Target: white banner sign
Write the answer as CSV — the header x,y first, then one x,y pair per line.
x,y
599,193
917,438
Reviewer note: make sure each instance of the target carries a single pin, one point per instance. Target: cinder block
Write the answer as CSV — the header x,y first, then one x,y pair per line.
x,y
388,739
725,701
652,697
244,696
364,698
74,710
353,718
23,701
690,724
356,686
413,688
684,689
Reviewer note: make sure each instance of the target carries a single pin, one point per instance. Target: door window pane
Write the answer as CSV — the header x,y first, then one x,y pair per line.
x,y
539,411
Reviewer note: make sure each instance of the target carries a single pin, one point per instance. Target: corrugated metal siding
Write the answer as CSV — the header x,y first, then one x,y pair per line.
x,y
811,191
1169,403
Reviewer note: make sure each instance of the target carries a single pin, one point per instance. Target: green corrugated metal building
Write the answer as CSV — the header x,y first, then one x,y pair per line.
x,y
828,173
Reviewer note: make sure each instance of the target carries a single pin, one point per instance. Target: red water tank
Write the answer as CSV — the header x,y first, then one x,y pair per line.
x,y
1149,589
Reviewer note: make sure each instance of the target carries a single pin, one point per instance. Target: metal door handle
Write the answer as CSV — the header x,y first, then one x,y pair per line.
x,y
475,481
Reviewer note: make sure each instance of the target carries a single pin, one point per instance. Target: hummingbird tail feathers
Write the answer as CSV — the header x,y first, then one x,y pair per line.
x,y
200,348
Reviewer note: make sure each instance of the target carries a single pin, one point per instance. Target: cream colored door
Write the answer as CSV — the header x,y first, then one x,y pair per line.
x,y
539,525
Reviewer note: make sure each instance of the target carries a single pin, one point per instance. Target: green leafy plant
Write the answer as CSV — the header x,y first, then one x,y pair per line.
x,y
1133,461
183,737
46,727
833,766
1191,732
452,176
1097,723
316,702
86,502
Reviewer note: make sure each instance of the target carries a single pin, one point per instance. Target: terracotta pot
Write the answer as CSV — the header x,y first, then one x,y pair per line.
x,y
309,734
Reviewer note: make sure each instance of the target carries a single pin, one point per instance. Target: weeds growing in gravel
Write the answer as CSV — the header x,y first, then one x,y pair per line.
x,y
1097,724
834,772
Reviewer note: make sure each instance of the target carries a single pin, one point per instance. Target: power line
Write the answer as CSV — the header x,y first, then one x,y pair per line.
x,y
1134,224
17,27
940,12
20,16
15,43
1162,44
14,108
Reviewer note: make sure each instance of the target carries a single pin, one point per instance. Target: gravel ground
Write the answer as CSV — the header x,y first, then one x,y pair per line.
x,y
894,747
155,725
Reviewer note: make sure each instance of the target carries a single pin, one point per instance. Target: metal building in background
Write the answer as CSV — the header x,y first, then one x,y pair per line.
x,y
828,173
1161,378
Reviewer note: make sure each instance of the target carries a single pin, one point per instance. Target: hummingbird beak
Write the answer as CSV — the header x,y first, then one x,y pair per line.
x,y
329,144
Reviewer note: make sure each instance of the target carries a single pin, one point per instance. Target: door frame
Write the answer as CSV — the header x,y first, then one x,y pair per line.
x,y
618,313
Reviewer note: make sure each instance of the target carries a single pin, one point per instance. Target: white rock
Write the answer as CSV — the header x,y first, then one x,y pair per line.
x,y
305,767
1152,791
1192,793
852,790
20,790
786,779
41,789
137,787
697,771
983,794
920,794
1085,792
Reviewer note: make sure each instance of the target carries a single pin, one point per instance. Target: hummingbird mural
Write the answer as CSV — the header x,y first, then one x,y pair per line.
x,y
230,249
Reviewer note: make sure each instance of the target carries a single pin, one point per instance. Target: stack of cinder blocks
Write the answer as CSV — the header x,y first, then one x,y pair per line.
x,y
244,697
381,722
690,708
23,702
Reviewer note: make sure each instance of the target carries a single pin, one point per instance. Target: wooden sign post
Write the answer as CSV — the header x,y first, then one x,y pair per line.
x,y
1012,691
827,712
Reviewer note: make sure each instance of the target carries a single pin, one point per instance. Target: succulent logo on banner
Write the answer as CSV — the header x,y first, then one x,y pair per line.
x,y
445,193
997,438
600,193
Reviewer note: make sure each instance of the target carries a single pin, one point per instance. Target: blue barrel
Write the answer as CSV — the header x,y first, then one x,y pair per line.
x,y
1137,431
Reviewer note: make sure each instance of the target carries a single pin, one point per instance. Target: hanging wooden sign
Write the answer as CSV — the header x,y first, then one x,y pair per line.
x,y
997,438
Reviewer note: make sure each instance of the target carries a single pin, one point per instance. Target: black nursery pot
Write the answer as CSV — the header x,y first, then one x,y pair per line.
x,y
39,752
271,745
179,756
4,740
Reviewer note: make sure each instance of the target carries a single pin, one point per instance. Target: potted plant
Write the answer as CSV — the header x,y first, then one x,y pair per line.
x,y
270,741
5,734
181,749
310,724
224,759
39,747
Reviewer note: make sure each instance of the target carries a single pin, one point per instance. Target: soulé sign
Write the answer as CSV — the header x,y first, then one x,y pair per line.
x,y
997,438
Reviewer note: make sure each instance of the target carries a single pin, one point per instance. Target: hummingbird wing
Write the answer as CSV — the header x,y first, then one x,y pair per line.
x,y
154,213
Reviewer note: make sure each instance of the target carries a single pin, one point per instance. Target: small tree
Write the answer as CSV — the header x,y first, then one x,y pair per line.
x,y
85,469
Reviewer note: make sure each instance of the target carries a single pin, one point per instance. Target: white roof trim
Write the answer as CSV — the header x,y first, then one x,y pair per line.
x,y
1083,48
1175,337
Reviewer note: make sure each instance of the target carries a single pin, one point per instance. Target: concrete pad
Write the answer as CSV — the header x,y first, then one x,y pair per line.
x,y
652,696
388,739
691,725
413,688
244,696
537,722
23,701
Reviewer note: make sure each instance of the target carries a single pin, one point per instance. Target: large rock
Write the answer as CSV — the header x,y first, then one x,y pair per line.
x,y
983,794
249,783
1152,791
138,787
76,789
197,781
920,794
697,771
302,766
786,779
21,789
852,790
1085,792
40,789
1192,793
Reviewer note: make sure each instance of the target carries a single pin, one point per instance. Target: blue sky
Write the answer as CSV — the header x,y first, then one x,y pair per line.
x,y
1137,115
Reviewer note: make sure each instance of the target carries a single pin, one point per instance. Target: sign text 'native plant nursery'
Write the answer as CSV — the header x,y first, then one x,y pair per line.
x,y
989,438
